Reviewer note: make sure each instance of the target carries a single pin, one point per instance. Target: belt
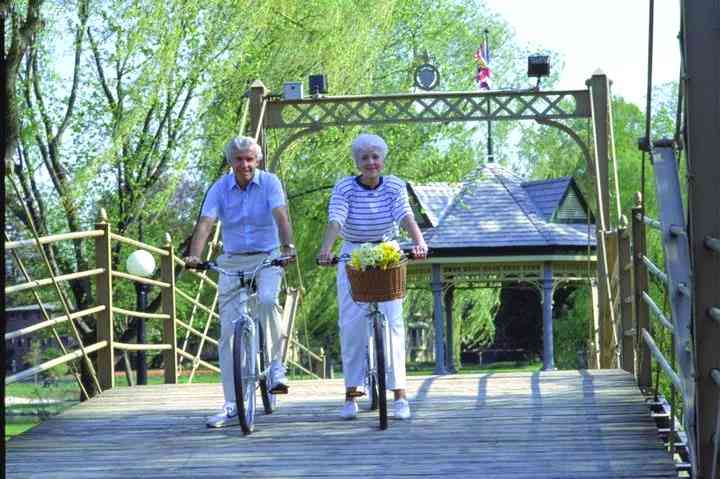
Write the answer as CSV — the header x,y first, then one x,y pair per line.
x,y
249,253
363,242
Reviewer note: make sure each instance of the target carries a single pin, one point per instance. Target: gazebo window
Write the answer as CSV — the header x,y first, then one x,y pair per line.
x,y
571,210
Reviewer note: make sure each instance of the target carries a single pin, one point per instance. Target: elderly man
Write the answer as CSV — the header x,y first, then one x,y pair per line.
x,y
365,208
251,205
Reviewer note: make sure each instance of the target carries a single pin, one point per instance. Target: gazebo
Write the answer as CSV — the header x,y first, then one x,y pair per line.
x,y
493,229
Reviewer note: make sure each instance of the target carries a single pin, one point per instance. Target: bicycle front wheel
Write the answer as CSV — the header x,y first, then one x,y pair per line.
x,y
245,373
379,336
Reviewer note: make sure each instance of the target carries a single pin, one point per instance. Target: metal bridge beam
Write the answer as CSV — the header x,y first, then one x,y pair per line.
x,y
701,32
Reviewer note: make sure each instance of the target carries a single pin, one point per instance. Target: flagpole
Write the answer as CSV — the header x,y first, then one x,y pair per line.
x,y
490,158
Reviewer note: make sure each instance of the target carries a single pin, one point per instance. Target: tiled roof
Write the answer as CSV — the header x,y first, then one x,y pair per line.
x,y
495,208
546,194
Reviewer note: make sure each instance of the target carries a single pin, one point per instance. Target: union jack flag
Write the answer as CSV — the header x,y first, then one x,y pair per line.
x,y
482,58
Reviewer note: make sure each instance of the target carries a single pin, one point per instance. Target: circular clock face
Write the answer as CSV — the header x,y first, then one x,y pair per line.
x,y
427,76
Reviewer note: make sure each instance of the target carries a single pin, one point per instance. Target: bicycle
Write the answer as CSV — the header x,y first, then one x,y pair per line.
x,y
376,365
251,364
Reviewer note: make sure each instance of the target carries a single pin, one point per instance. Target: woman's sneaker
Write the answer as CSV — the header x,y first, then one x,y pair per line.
x,y
349,410
401,409
226,417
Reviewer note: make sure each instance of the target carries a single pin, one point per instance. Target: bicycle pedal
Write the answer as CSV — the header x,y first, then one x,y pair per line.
x,y
355,394
279,390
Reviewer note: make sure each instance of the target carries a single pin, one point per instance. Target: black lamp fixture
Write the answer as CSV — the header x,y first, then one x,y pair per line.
x,y
317,84
538,67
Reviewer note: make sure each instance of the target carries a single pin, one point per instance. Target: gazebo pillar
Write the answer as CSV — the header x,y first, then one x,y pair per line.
x,y
449,299
436,284
547,302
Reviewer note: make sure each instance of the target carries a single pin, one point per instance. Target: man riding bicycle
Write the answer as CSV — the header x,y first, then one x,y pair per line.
x,y
252,207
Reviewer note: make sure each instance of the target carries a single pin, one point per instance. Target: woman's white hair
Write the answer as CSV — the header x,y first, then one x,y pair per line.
x,y
242,143
368,141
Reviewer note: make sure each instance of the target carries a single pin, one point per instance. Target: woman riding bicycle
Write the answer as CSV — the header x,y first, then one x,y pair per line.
x,y
368,208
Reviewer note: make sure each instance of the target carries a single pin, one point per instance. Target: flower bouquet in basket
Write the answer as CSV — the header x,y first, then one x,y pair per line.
x,y
377,272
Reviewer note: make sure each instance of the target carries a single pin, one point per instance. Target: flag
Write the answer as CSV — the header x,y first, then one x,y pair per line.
x,y
482,58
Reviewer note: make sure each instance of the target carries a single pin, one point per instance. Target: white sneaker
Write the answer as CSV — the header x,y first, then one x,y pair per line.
x,y
278,378
349,410
226,417
401,409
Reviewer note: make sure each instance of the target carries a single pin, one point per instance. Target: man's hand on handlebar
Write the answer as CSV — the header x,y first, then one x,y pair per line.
x,y
192,262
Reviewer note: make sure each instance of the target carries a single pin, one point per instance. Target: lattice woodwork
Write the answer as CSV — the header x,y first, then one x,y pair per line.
x,y
427,107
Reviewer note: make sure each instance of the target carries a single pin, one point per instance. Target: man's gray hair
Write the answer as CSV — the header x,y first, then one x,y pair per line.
x,y
368,141
242,143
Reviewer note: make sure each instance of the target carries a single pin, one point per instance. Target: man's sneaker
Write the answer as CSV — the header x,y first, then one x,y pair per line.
x,y
225,418
401,409
278,379
349,410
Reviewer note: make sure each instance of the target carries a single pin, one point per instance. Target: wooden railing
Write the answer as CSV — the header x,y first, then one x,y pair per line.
x,y
104,312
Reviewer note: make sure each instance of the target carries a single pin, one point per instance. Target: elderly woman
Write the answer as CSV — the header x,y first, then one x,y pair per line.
x,y
368,208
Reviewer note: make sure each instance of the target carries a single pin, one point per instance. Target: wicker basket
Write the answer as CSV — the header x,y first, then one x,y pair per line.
x,y
376,285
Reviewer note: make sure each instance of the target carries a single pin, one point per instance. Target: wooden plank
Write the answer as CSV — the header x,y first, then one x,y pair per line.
x,y
550,424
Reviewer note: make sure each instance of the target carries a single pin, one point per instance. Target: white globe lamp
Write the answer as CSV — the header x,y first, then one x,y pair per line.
x,y
140,263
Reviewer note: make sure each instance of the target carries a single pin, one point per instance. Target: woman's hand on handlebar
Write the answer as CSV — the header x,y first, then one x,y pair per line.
x,y
420,251
325,257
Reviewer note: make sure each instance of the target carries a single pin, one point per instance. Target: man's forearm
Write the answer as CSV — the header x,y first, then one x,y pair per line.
x,y
200,236
285,231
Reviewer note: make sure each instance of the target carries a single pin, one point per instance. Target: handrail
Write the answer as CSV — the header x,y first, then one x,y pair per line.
x,y
141,347
139,279
662,361
138,244
37,283
655,270
54,362
712,244
657,312
653,223
52,239
139,314
51,322
303,369
196,332
198,304
305,349
211,367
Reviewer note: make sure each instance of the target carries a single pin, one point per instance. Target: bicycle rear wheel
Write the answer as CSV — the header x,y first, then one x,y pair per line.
x,y
245,373
267,397
379,334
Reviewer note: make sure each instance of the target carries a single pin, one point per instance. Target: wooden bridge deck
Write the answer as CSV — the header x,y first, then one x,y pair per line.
x,y
560,424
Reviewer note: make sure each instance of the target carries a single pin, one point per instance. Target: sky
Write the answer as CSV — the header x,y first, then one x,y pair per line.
x,y
611,35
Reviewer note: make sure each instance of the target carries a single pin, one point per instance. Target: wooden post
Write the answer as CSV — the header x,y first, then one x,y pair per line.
x,y
103,294
608,328
640,284
600,108
594,360
701,44
627,350
257,96
167,275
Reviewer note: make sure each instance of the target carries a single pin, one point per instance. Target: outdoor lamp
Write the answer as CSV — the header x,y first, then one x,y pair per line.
x,y
318,84
141,263
538,67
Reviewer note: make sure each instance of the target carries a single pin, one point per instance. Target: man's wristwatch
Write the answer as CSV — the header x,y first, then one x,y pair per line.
x,y
288,245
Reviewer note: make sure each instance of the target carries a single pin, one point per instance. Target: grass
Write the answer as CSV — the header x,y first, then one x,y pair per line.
x,y
425,369
16,426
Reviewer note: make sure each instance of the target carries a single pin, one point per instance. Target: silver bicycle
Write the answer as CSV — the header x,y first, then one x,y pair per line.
x,y
251,362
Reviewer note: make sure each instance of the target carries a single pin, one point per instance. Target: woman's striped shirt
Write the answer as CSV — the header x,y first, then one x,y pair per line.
x,y
369,214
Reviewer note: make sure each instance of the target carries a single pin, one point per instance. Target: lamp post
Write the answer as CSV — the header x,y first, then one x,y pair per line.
x,y
141,263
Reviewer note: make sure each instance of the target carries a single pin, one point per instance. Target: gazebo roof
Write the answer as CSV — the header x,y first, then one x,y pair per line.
x,y
496,209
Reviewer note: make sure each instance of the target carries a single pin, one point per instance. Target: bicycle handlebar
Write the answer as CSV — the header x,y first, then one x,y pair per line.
x,y
345,257
213,266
